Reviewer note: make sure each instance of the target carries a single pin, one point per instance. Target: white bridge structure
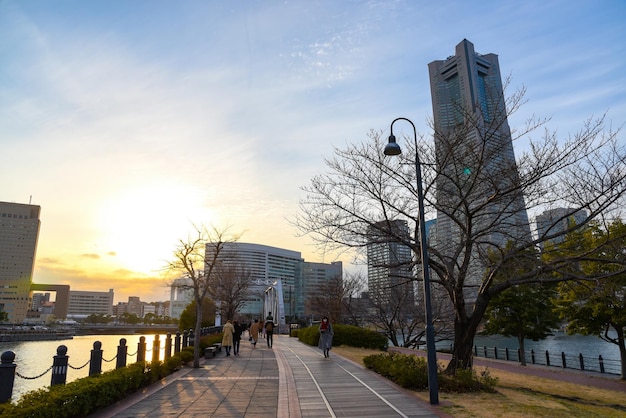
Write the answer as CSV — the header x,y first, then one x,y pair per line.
x,y
274,302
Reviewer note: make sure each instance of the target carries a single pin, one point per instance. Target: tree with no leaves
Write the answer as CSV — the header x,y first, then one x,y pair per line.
x,y
201,271
364,187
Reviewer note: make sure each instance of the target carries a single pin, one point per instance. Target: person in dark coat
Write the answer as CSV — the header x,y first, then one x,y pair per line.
x,y
237,337
326,336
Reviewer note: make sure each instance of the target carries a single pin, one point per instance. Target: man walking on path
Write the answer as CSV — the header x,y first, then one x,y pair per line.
x,y
269,329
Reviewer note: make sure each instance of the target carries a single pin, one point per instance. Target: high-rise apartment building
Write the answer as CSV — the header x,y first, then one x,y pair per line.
x,y
19,232
390,263
474,148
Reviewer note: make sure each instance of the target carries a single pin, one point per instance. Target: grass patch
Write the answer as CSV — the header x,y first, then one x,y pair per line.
x,y
520,396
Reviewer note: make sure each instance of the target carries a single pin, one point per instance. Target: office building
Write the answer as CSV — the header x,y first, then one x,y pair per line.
x,y
474,148
315,281
556,222
19,232
265,265
390,273
84,303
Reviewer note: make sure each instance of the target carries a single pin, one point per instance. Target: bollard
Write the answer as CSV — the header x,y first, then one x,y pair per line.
x,y
7,376
476,350
563,360
547,358
177,343
156,347
532,357
95,363
485,351
168,347
141,349
122,351
192,339
506,353
582,361
185,338
601,361
59,366
495,352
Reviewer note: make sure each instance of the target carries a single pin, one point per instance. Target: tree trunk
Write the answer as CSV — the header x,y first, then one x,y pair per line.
x,y
622,351
522,350
196,332
462,354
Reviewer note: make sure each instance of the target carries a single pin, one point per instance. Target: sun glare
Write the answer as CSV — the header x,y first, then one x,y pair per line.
x,y
141,226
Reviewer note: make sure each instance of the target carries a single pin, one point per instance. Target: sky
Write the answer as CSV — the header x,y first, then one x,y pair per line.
x,y
130,121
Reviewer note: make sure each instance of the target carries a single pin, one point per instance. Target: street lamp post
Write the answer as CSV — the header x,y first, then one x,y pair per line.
x,y
392,148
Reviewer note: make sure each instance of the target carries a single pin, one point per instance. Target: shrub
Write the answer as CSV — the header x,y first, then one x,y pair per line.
x,y
411,372
346,335
89,394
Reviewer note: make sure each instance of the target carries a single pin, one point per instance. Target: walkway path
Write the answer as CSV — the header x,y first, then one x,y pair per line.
x,y
291,380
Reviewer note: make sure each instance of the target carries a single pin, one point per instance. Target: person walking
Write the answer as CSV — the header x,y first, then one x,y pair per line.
x,y
254,332
269,330
227,337
237,337
326,336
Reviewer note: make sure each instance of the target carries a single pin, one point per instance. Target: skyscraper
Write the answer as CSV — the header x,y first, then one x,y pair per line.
x,y
476,169
389,263
19,232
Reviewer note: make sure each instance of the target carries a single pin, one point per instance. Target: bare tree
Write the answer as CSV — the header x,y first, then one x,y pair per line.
x,y
190,262
337,299
363,187
231,288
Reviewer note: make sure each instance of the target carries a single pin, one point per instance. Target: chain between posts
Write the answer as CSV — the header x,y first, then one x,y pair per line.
x,y
32,378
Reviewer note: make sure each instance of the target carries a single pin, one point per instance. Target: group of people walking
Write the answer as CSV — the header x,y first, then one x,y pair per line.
x,y
233,331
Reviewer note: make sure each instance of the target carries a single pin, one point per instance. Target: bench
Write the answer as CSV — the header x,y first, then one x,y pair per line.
x,y
210,352
218,347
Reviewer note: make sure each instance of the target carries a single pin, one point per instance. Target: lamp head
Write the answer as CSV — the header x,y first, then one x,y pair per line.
x,y
392,148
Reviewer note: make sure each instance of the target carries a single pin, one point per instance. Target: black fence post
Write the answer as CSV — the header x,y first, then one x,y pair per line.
x,y
95,363
506,353
495,352
177,343
601,361
532,356
141,349
582,361
192,338
168,347
156,347
476,350
59,366
122,351
185,338
485,350
7,376
563,360
547,358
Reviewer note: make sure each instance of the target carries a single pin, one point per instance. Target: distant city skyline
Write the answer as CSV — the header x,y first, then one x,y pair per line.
x,y
127,122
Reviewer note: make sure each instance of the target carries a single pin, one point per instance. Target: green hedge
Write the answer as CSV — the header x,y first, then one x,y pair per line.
x,y
346,335
411,372
90,394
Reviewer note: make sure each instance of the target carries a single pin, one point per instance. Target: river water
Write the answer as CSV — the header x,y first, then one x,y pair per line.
x,y
35,357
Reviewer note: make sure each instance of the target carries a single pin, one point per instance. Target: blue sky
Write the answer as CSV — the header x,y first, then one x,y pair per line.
x,y
126,121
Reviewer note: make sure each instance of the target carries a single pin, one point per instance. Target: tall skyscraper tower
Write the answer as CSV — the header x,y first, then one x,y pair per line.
x,y
477,172
19,232
389,263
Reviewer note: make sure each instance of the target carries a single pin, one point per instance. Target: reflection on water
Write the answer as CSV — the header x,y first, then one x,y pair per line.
x,y
35,357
